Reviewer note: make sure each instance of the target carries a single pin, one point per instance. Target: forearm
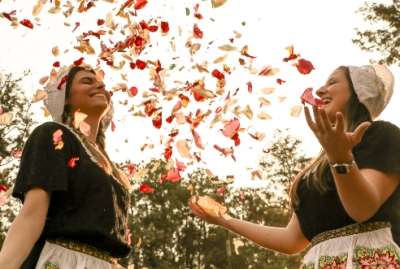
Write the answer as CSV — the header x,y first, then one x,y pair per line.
x,y
21,237
274,238
359,198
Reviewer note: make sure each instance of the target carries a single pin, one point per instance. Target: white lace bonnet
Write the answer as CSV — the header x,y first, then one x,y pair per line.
x,y
56,99
373,85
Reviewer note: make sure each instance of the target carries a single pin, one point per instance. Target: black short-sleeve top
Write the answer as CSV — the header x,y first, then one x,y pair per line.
x,y
87,204
379,149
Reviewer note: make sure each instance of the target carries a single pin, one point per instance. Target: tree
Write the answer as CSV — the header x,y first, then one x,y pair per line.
x,y
171,237
385,37
284,161
12,139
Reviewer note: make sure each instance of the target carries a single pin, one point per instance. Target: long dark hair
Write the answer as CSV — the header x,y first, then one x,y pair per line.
x,y
318,173
99,153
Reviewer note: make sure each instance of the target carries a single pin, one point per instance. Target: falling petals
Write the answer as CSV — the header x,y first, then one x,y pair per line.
x,y
39,96
308,98
183,149
72,161
26,23
197,140
209,205
164,27
6,118
146,189
197,32
221,191
305,67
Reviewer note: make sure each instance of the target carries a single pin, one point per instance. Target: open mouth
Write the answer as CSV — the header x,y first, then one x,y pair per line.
x,y
100,95
327,101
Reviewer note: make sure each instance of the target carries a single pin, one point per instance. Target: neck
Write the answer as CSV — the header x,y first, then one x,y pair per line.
x,y
94,123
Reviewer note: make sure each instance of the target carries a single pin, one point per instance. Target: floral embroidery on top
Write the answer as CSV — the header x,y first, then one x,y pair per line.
x,y
50,265
368,258
333,262
307,266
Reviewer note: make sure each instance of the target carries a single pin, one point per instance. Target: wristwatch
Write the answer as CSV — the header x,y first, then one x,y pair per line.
x,y
342,168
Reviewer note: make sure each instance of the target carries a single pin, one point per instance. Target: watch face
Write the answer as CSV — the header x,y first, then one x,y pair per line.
x,y
342,169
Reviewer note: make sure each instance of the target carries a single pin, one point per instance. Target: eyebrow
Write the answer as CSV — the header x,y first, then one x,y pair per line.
x,y
89,78
329,80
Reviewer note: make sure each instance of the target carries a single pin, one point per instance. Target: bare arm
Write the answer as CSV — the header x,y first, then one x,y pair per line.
x,y
26,229
289,240
363,192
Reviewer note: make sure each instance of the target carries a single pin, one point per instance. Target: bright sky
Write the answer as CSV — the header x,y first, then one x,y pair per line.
x,y
320,31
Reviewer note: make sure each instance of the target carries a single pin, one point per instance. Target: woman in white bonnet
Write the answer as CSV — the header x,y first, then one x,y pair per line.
x,y
75,200
346,203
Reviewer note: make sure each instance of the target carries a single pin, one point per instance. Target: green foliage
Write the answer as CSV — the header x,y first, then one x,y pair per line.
x,y
172,237
384,38
12,137
283,163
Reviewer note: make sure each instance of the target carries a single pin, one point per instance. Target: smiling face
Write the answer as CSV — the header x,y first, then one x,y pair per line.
x,y
87,94
336,94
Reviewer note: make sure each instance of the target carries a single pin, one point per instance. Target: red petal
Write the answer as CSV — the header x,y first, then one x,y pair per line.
x,y
100,22
157,120
267,151
231,40
56,64
231,128
63,80
145,189
3,188
140,4
168,153
164,27
71,162
153,28
304,66
250,87
218,148
79,62
197,140
236,91
112,126
140,64
197,32
26,23
132,65
218,74
16,153
307,97
170,118
247,55
173,175
133,91
280,81
266,69
77,24
221,191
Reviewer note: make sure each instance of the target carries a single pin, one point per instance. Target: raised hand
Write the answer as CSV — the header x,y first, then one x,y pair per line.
x,y
336,142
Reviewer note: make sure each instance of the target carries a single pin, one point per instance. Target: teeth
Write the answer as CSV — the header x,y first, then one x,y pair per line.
x,y
327,101
100,94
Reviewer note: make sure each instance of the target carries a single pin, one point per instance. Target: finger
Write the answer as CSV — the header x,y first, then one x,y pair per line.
x,y
340,128
309,120
359,132
318,120
326,123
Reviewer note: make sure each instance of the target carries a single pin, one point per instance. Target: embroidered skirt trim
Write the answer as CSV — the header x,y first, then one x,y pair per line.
x,y
356,228
83,248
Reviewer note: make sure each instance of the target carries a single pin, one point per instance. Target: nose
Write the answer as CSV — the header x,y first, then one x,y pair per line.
x,y
100,85
321,91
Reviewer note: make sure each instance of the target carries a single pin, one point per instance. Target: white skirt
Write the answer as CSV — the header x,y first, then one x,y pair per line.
x,y
358,246
57,257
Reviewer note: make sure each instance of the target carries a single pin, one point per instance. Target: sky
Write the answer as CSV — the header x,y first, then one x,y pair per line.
x,y
320,31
